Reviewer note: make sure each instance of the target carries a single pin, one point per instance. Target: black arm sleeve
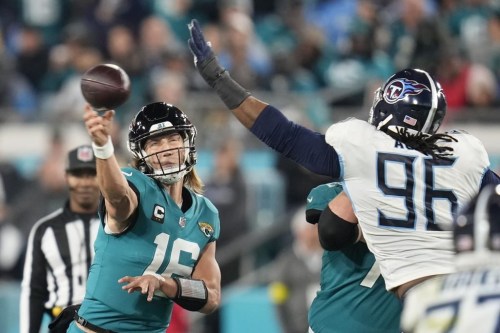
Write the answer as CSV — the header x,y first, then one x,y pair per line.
x,y
305,147
334,232
490,177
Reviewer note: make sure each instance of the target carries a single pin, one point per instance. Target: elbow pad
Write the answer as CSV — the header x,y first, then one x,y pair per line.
x,y
312,215
334,232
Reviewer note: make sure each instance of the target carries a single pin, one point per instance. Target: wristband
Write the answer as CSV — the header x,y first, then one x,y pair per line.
x,y
104,152
191,294
230,92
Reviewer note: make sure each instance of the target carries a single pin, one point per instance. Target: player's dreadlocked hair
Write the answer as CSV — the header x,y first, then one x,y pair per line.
x,y
425,143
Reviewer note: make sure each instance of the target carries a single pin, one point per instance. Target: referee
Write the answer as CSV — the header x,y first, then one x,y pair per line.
x,y
60,246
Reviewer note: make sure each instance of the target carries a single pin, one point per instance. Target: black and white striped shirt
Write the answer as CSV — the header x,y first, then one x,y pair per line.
x,y
59,253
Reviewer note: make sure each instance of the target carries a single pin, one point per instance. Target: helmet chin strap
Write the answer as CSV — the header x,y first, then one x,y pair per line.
x,y
169,179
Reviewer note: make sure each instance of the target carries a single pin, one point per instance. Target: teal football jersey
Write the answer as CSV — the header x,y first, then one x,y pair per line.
x,y
352,296
162,240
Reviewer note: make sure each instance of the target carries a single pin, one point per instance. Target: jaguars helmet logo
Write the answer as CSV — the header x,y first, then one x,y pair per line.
x,y
206,229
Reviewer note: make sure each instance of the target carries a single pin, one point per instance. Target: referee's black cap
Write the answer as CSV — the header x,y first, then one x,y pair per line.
x,y
80,158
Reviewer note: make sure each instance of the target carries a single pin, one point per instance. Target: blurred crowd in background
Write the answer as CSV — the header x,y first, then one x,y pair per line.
x,y
279,46
341,50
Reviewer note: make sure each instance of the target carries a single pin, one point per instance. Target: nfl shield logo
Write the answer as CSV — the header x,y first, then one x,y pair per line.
x,y
85,154
182,221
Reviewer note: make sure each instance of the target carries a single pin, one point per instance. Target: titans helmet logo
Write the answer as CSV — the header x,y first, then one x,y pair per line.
x,y
398,89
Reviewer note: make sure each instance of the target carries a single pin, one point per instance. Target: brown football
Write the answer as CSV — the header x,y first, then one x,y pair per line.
x,y
105,86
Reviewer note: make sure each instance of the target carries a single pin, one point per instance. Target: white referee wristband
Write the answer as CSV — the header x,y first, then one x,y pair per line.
x,y
104,152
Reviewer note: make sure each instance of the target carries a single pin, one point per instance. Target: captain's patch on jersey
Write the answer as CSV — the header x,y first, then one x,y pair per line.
x,y
158,214
206,229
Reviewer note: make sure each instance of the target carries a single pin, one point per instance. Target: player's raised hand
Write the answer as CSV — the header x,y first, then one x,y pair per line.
x,y
200,48
230,92
204,58
98,126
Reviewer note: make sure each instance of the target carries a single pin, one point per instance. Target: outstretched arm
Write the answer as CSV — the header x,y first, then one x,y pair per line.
x,y
121,201
245,107
306,147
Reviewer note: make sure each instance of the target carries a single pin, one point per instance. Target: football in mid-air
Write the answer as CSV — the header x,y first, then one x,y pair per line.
x,y
105,86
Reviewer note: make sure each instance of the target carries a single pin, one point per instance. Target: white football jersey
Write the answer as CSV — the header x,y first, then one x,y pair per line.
x,y
461,302
400,196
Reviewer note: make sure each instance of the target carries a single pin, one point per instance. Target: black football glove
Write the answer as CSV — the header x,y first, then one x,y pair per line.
x,y
204,57
230,92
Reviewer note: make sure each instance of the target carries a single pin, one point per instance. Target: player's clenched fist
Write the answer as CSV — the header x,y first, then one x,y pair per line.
x,y
98,127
